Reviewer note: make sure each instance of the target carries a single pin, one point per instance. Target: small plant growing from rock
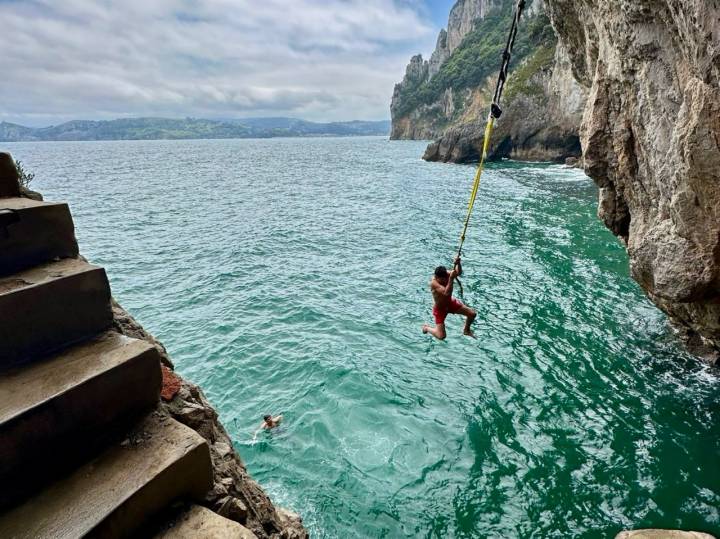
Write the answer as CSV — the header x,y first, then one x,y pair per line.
x,y
24,176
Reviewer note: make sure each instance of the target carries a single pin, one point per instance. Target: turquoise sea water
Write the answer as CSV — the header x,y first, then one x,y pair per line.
x,y
290,276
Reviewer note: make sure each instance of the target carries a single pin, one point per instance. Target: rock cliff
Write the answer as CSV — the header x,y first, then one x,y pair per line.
x,y
651,140
446,98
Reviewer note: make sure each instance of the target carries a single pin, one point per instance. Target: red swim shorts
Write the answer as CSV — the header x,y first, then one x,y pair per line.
x,y
440,313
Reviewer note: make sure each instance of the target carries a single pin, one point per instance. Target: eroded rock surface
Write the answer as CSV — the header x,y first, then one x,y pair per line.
x,y
651,141
428,121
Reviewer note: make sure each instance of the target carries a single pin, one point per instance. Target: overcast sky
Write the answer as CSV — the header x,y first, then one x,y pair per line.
x,y
313,59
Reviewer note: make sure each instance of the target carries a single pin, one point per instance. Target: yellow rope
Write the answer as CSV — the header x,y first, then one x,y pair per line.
x,y
478,175
495,112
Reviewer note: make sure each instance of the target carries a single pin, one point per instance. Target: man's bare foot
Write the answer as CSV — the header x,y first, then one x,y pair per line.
x,y
469,333
425,329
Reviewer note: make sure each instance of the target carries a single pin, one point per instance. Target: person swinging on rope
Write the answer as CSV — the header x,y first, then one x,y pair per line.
x,y
441,287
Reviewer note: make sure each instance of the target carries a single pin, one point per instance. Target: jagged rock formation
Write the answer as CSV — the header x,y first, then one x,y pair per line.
x,y
447,97
408,124
417,120
651,140
88,448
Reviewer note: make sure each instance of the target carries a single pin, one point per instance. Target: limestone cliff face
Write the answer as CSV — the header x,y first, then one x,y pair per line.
x,y
428,120
651,140
543,110
409,126
445,98
462,19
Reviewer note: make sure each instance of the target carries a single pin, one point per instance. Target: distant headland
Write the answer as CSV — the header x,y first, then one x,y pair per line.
x,y
189,128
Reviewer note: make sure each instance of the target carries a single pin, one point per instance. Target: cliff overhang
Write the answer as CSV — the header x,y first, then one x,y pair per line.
x,y
651,141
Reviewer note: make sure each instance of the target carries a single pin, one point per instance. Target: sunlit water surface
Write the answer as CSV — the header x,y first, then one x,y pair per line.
x,y
290,276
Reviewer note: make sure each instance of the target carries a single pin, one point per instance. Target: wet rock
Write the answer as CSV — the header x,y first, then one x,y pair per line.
x,y
572,162
292,524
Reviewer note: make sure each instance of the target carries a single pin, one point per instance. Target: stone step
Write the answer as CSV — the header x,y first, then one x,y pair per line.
x,y
50,306
56,413
114,495
201,522
33,233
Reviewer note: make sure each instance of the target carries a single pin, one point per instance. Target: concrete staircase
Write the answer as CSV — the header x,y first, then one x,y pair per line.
x,y
84,449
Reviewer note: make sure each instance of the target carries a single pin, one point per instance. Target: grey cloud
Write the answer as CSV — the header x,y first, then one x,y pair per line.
x,y
328,60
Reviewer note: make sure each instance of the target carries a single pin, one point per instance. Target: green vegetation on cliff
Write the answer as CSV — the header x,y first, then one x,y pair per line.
x,y
479,56
521,81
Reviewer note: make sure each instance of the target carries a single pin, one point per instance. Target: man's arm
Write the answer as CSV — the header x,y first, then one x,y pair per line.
x,y
447,289
451,281
458,266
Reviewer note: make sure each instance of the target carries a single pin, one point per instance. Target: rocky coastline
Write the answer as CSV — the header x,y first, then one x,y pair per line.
x,y
630,92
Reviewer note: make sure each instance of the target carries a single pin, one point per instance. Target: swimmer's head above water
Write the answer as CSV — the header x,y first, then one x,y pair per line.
x,y
270,422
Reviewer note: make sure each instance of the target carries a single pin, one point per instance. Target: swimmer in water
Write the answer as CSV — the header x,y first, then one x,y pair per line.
x,y
269,422
441,287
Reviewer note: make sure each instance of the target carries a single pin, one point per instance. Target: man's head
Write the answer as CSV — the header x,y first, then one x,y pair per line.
x,y
267,418
441,274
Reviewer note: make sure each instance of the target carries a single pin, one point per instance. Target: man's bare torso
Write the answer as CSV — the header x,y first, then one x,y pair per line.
x,y
437,289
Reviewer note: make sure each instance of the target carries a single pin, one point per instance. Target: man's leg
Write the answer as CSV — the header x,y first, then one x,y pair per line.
x,y
469,315
438,331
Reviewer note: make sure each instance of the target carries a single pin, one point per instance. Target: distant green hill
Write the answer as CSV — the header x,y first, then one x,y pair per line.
x,y
189,128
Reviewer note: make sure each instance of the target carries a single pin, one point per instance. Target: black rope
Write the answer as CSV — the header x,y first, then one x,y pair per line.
x,y
506,55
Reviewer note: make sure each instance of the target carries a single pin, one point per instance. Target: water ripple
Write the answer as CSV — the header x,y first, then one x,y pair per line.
x,y
291,276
